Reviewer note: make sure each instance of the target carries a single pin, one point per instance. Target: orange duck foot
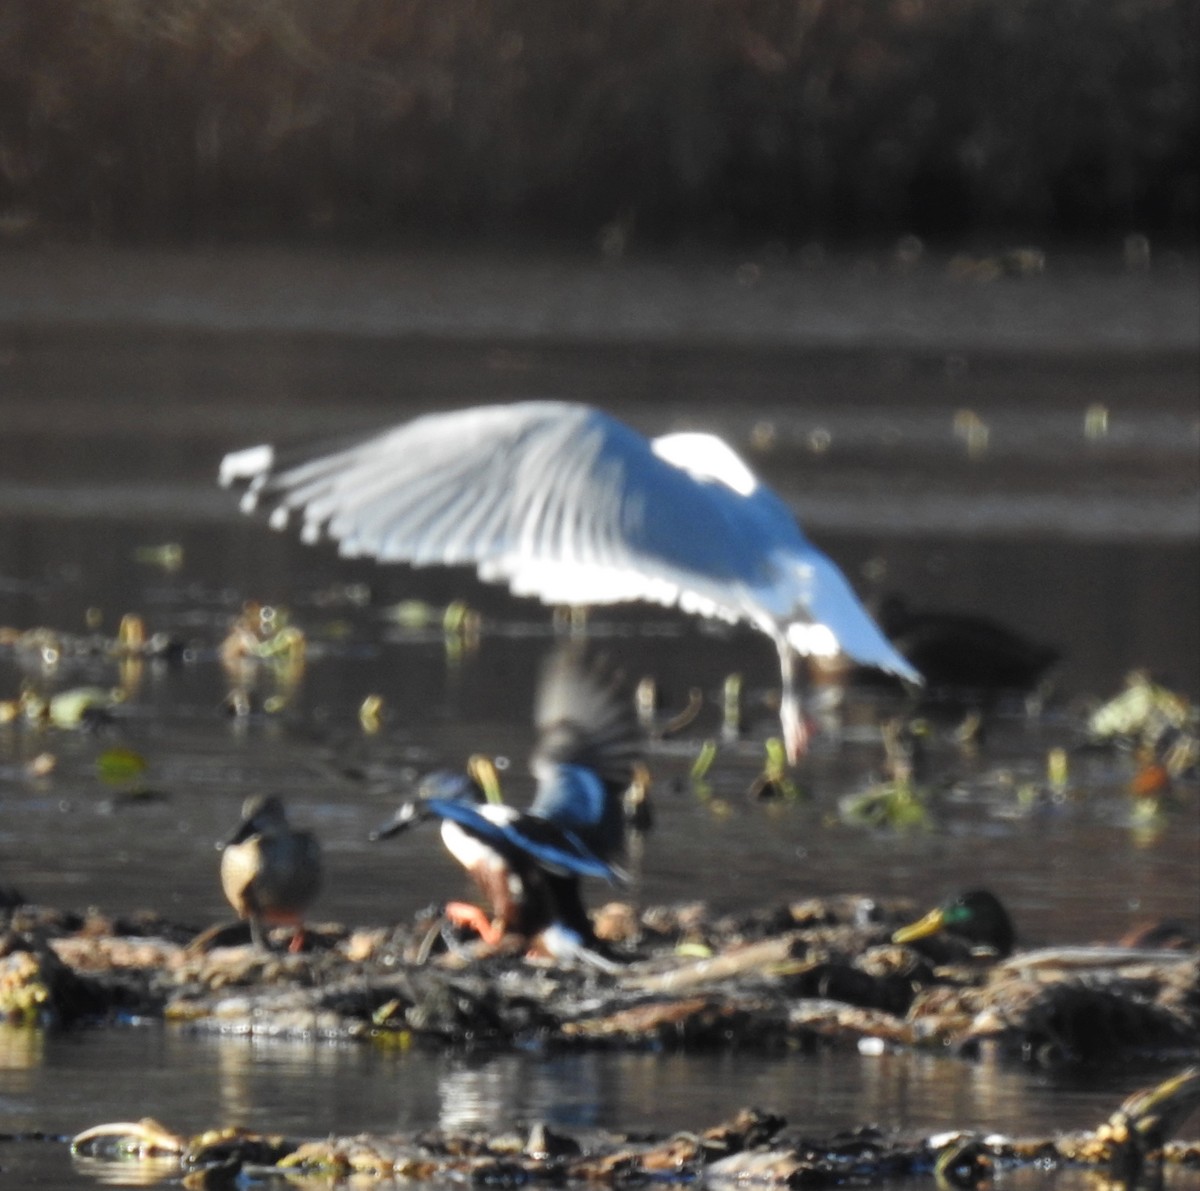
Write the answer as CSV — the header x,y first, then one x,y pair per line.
x,y
297,943
473,918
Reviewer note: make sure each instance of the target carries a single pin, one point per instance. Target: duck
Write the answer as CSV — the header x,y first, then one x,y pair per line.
x,y
527,864
527,868
563,502
965,652
270,871
976,919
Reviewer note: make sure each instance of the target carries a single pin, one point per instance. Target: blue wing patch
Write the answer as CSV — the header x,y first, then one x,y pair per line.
x,y
551,846
573,797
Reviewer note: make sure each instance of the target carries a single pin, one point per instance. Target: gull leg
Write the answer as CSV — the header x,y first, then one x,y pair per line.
x,y
791,714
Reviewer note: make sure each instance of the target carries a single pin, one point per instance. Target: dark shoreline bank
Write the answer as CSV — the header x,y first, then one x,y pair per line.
x,y
611,124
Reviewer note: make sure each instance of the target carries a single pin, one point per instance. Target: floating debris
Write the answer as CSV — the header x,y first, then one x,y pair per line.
x,y
639,813
1143,713
370,711
683,718
261,640
484,772
973,431
731,707
645,701
754,1147
894,804
896,801
120,766
823,972
463,628
774,781
81,707
167,557
1163,732
1095,422
702,765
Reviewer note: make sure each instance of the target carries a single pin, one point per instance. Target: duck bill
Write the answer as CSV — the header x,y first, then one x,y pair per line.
x,y
922,928
402,820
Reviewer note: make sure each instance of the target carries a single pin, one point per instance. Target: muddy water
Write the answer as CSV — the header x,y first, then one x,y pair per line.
x,y
110,436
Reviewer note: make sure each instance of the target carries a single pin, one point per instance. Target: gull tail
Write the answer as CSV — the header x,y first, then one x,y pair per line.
x,y
837,622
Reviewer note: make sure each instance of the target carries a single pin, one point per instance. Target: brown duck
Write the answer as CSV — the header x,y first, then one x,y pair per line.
x,y
269,871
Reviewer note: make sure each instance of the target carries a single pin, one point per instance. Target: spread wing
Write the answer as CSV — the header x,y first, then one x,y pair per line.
x,y
584,718
565,503
557,500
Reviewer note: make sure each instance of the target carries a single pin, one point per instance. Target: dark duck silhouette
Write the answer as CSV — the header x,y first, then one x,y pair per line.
x,y
964,652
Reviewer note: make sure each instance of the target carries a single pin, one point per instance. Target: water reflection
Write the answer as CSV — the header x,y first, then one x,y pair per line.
x,y
146,1172
253,1076
317,1088
192,1082
21,1048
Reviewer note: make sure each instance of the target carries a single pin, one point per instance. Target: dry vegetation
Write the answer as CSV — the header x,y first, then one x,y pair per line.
x,y
782,118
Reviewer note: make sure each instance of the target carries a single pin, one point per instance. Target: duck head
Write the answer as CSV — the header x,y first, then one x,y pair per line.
x,y
442,785
977,917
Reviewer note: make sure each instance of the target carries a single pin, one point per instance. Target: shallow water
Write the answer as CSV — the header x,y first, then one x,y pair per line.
x,y
111,436
313,1089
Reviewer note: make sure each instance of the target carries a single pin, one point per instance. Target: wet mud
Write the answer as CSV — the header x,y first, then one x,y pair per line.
x,y
816,973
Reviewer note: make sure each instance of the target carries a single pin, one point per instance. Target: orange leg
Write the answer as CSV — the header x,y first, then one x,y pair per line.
x,y
473,918
297,943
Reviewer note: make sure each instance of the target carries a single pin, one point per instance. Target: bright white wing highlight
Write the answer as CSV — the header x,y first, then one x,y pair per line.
x,y
706,457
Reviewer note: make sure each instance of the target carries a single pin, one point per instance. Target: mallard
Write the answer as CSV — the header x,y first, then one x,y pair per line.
x,y
977,918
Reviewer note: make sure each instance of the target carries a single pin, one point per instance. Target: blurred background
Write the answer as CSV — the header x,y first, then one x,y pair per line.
x,y
612,124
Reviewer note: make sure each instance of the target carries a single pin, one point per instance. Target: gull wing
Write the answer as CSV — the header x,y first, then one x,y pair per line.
x,y
836,620
562,502
557,500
